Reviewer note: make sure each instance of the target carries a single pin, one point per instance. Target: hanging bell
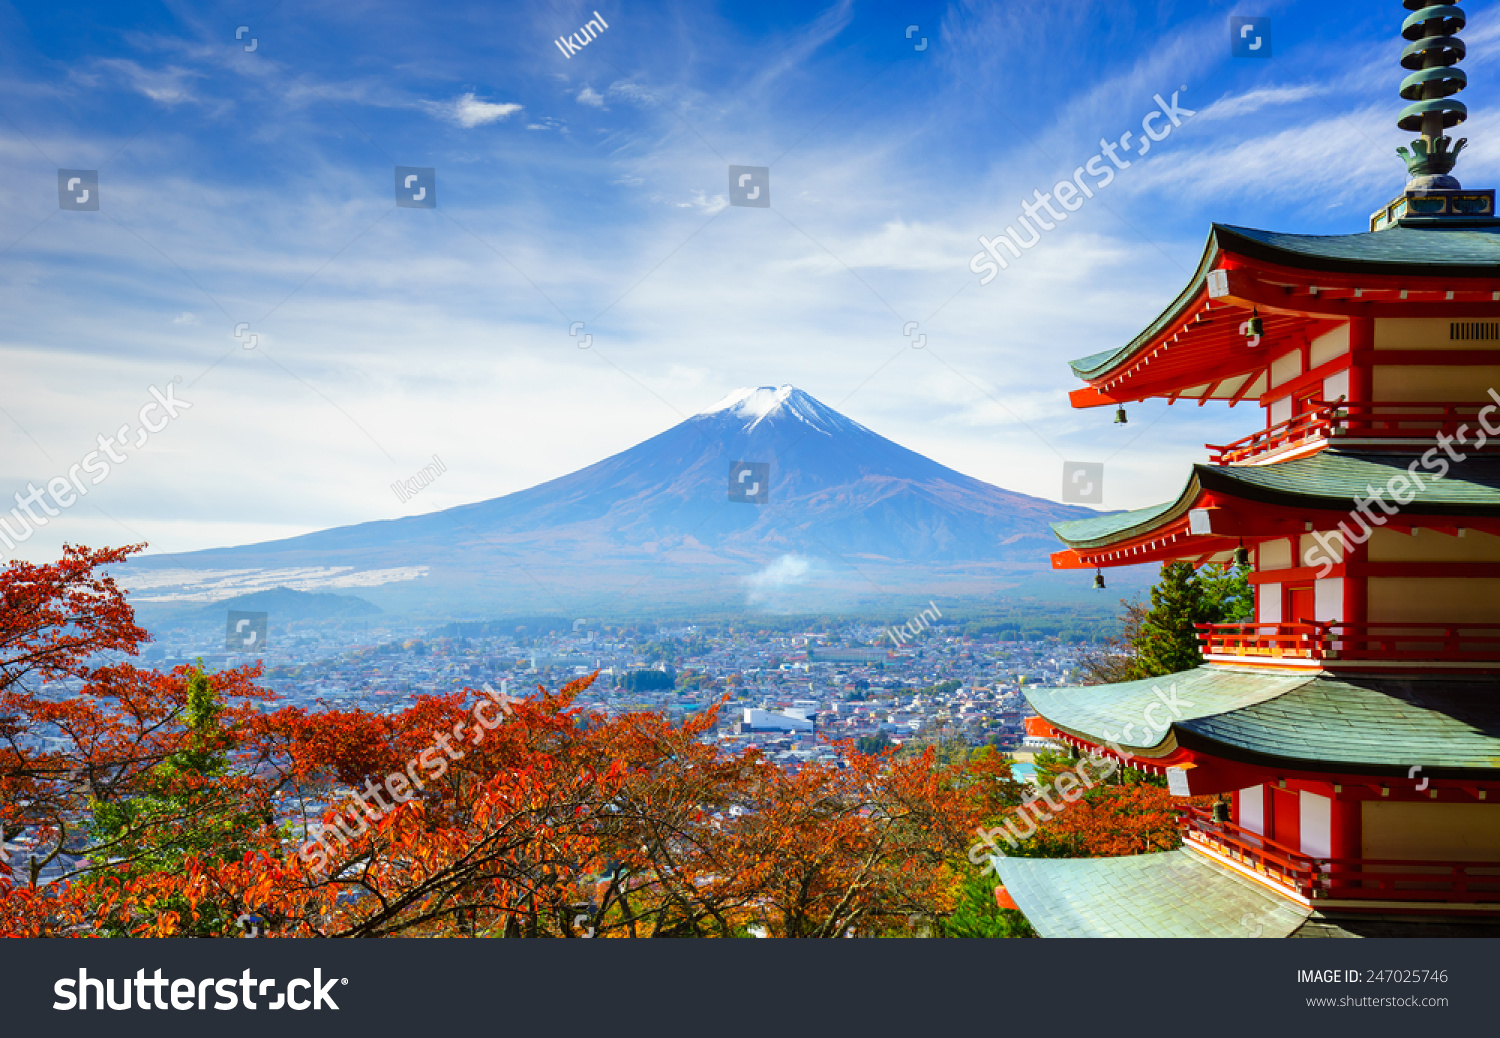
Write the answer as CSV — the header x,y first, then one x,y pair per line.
x,y
1099,581
1255,326
1120,418
1242,555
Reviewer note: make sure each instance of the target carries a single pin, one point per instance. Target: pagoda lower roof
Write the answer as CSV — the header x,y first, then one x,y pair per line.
x,y
1328,480
1169,894
1182,893
1360,725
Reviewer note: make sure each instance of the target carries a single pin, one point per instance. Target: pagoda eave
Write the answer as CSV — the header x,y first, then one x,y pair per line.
x,y
1222,507
1225,728
1199,347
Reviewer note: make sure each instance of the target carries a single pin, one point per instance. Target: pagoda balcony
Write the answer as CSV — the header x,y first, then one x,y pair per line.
x,y
1341,424
1425,883
1336,642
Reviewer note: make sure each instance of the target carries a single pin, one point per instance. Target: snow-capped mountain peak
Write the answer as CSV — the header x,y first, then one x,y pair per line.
x,y
761,403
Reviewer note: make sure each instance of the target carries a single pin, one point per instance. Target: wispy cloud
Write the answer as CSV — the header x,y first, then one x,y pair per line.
x,y
170,86
1254,100
264,196
469,111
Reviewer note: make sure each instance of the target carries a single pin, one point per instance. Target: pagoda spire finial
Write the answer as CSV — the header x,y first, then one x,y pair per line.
x,y
1431,55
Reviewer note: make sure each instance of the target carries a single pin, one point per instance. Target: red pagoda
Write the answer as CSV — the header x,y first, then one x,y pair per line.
x,y
1352,731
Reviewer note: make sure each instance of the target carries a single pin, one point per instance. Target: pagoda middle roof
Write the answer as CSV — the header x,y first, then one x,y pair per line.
x,y
1407,251
1376,725
1330,479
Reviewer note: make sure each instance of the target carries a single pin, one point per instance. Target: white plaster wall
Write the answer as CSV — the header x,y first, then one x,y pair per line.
x,y
1253,809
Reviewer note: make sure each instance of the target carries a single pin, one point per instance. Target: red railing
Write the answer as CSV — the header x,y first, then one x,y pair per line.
x,y
1350,879
1337,420
1308,427
1282,865
1469,642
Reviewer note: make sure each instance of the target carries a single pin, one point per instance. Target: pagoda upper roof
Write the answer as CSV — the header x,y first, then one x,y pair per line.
x,y
1330,479
1388,260
1366,725
1461,252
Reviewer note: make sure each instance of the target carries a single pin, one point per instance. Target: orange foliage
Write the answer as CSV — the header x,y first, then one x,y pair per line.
x,y
548,823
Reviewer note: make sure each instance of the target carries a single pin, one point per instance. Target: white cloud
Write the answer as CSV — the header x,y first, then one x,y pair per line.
x,y
634,92
186,318
1341,156
767,586
1255,100
590,96
168,85
469,111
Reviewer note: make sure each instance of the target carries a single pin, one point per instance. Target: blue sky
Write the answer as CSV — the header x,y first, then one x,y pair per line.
x,y
253,190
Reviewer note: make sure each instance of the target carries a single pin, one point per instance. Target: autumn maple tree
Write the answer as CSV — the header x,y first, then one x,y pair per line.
x,y
183,803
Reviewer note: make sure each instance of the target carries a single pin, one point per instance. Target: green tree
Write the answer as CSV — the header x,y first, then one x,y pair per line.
x,y
1227,591
1163,639
182,813
1168,638
975,913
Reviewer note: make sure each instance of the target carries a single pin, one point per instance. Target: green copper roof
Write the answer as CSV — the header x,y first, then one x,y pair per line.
x,y
1334,478
1371,725
1413,251
1457,251
1107,529
1172,894
1118,713
1184,894
1330,479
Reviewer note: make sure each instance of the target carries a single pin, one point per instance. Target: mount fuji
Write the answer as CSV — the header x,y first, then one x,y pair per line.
x,y
847,513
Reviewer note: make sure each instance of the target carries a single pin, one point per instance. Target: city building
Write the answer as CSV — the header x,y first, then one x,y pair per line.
x,y
1352,731
756,720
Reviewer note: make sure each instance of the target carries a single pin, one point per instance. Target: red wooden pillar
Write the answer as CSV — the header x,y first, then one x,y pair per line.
x,y
1361,391
1356,596
1345,839
1361,359
1346,833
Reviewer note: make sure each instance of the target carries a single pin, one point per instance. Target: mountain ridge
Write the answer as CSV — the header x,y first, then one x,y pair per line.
x,y
838,492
